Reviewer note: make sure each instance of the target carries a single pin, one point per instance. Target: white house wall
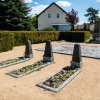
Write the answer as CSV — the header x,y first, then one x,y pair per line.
x,y
44,21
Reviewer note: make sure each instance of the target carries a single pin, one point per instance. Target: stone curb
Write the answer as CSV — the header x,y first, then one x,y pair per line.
x,y
62,85
17,76
15,63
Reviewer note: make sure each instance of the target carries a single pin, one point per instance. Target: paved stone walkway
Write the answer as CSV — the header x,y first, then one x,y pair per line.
x,y
87,51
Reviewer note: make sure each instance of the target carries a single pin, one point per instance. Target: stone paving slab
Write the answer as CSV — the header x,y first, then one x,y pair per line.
x,y
87,51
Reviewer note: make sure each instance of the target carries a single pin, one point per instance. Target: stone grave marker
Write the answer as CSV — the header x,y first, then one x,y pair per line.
x,y
28,49
48,53
76,57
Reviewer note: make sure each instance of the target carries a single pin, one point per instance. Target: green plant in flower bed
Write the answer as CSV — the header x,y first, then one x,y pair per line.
x,y
27,68
10,61
56,80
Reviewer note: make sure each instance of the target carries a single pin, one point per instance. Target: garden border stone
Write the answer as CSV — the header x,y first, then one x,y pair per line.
x,y
6,65
28,72
62,85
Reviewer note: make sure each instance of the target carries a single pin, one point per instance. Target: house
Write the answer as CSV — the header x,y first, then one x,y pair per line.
x,y
53,16
92,27
79,27
97,27
82,26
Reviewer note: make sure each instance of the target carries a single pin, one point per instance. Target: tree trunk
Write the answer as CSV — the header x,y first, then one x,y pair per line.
x,y
72,27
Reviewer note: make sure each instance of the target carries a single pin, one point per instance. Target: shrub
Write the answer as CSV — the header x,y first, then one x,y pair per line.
x,y
75,36
87,36
6,41
34,36
49,29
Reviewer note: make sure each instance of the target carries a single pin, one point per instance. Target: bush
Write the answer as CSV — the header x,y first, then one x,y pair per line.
x,y
9,39
49,29
75,36
34,36
6,41
87,35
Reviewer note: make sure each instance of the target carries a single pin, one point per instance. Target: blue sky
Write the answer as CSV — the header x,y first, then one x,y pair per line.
x,y
79,5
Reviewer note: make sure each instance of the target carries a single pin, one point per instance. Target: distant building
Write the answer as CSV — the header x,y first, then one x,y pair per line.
x,y
97,27
82,26
79,27
92,27
53,16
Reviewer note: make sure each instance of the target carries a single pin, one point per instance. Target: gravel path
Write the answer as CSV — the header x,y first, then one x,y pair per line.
x,y
86,86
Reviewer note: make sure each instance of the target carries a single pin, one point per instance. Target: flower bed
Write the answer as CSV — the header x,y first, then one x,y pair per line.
x,y
58,80
12,61
28,69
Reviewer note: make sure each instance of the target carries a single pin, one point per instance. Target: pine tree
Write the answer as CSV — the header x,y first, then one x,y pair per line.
x,y
84,27
92,14
14,15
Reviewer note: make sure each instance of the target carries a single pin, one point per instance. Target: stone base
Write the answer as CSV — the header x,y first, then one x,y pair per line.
x,y
29,56
76,64
48,59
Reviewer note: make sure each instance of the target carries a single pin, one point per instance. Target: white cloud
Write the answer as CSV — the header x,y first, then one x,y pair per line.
x,y
36,3
28,1
64,3
97,0
38,9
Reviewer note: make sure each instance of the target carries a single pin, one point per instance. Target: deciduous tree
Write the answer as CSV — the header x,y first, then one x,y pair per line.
x,y
34,20
72,18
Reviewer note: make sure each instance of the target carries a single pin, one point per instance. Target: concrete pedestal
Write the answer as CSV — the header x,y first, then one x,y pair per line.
x,y
76,64
48,59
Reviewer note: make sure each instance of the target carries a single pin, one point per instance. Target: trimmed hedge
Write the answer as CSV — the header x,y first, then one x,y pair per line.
x,y
9,39
6,41
87,36
34,36
75,36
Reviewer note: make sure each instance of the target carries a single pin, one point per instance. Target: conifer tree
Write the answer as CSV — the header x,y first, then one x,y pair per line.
x,y
14,15
92,14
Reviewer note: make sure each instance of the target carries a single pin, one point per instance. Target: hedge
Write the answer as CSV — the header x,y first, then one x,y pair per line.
x,y
6,41
75,36
34,36
9,39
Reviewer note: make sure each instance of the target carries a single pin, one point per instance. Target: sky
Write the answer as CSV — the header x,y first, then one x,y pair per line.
x,y
38,6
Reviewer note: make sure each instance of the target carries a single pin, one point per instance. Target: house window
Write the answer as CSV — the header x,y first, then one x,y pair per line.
x,y
57,15
49,15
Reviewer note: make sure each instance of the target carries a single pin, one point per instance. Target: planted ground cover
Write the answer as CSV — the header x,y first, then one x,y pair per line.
x,y
86,51
58,80
28,69
12,61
